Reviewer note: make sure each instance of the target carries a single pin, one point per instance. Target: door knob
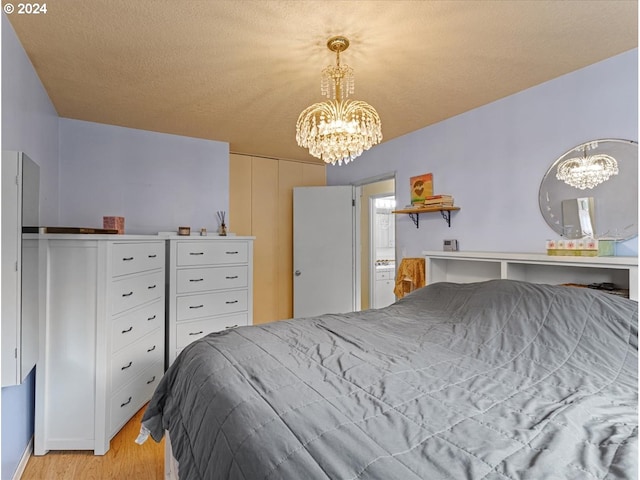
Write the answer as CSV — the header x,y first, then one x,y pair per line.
x,y
298,273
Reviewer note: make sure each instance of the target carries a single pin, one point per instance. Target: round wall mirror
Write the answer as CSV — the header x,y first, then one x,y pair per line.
x,y
592,191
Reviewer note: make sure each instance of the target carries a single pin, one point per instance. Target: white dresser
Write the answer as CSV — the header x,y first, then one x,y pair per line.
x,y
210,287
101,340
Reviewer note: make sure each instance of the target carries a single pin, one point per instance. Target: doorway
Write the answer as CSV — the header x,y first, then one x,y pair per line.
x,y
369,248
383,251
360,268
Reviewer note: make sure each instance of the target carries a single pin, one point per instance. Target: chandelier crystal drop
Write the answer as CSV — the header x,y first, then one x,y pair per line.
x,y
340,129
587,171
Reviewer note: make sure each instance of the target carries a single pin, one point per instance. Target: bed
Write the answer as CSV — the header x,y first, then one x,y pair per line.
x,y
492,380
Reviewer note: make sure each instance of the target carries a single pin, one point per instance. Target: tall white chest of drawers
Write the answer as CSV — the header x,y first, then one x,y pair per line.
x,y
210,288
101,339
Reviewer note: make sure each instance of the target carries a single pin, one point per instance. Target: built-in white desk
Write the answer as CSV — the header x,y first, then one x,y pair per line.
x,y
465,267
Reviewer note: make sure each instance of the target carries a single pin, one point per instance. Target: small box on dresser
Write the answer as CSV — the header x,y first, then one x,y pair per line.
x,y
101,339
210,288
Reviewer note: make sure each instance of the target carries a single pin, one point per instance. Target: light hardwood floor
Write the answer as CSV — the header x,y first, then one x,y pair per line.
x,y
124,460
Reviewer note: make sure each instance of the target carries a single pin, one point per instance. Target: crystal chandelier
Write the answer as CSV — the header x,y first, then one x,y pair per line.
x,y
589,170
338,130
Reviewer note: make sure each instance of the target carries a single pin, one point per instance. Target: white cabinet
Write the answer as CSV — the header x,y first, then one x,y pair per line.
x,y
385,230
20,208
384,285
465,267
210,288
101,338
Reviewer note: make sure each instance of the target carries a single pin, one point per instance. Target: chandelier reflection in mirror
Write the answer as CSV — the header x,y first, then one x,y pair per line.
x,y
589,170
338,130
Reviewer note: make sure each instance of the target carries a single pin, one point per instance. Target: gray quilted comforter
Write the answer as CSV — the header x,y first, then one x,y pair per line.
x,y
494,380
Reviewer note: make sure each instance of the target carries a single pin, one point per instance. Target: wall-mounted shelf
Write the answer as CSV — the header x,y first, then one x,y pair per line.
x,y
414,213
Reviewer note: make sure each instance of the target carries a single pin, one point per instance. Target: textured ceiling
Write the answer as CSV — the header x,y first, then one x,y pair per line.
x,y
241,71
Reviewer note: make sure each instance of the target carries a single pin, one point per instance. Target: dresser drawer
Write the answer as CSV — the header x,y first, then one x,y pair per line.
x,y
136,257
188,332
190,280
133,291
132,360
126,402
209,304
210,253
135,324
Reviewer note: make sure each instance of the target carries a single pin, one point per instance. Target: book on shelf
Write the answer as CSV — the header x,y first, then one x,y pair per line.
x,y
437,205
439,197
438,200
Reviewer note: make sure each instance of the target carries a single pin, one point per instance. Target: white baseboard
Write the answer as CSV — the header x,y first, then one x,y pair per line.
x,y
23,461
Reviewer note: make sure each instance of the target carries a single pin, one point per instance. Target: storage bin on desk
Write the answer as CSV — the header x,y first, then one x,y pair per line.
x,y
581,248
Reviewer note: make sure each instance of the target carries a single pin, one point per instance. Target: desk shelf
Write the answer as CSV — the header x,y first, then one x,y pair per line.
x,y
414,213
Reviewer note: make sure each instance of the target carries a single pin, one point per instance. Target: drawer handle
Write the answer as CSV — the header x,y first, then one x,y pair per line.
x,y
127,259
231,253
232,301
231,278
153,256
150,287
127,294
196,333
196,253
152,380
125,403
196,279
151,349
128,329
127,366
232,326
196,306
151,318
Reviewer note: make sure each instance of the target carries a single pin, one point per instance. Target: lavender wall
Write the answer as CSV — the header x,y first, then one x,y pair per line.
x,y
492,159
156,181
29,124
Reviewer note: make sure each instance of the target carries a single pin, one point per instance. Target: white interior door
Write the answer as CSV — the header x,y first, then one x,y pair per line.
x,y
323,250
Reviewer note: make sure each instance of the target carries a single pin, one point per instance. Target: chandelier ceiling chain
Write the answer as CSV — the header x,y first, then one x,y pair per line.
x,y
338,130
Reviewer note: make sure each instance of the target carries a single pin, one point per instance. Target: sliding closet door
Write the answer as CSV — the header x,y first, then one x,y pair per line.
x,y
261,205
290,174
240,194
264,226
